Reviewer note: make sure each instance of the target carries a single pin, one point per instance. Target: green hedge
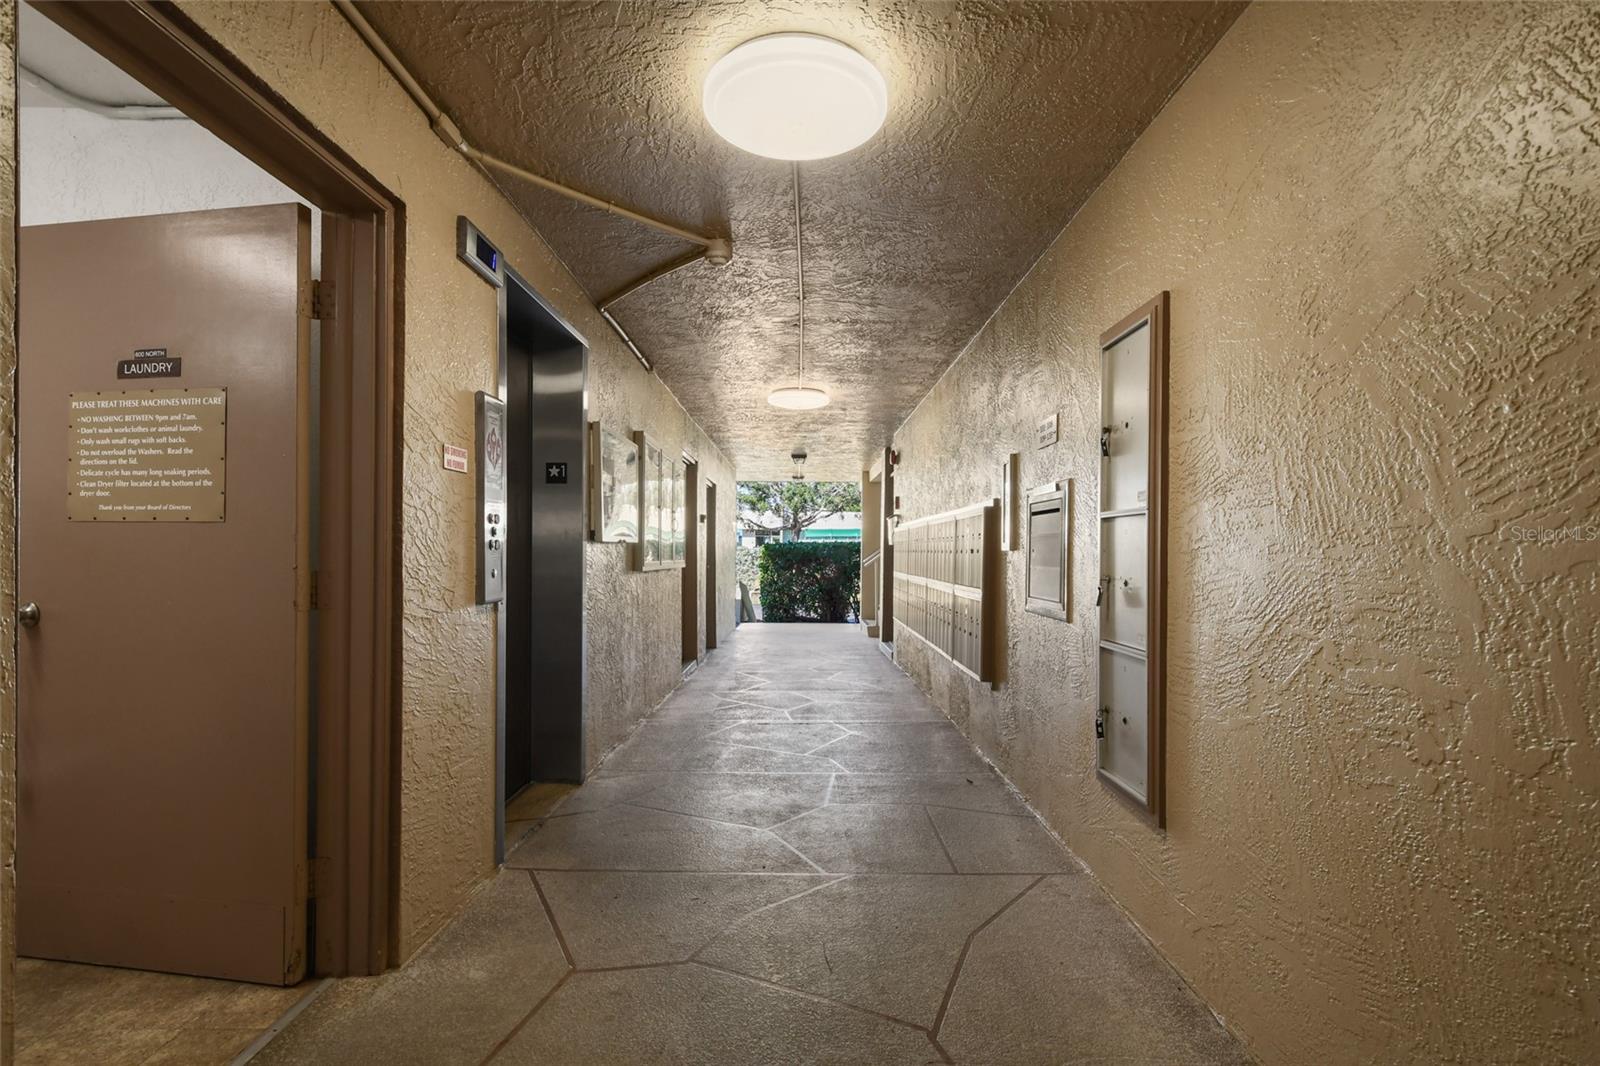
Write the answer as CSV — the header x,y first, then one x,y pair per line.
x,y
809,582
746,568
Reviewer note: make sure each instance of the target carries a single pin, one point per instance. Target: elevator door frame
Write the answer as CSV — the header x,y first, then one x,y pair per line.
x,y
354,873
577,472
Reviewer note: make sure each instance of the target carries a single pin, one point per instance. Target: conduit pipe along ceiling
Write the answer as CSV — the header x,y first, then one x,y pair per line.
x,y
795,96
718,251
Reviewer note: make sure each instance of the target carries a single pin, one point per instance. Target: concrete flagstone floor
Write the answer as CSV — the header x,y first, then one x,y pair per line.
x,y
795,859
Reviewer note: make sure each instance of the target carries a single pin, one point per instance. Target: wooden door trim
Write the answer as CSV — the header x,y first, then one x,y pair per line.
x,y
358,588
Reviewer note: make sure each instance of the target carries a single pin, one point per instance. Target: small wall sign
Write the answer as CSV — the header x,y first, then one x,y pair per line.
x,y
555,473
1049,431
150,363
455,458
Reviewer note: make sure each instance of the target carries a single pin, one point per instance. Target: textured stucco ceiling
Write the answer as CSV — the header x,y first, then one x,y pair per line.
x,y
1003,118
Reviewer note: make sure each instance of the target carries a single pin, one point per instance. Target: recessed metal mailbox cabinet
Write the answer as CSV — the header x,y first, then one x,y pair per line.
x,y
949,585
1049,524
1133,452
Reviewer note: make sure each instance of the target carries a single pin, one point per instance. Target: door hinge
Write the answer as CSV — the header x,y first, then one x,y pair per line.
x,y
322,300
314,601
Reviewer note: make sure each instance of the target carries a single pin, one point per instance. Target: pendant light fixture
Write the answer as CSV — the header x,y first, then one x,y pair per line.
x,y
795,96
799,396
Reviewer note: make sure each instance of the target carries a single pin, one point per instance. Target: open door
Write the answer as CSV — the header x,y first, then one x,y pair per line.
x,y
163,660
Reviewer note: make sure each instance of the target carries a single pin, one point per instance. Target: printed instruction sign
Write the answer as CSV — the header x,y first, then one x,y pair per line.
x,y
147,455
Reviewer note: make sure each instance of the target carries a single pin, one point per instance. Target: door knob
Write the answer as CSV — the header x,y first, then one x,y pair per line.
x,y
28,614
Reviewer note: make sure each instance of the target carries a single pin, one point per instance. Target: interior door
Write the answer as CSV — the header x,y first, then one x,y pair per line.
x,y
164,482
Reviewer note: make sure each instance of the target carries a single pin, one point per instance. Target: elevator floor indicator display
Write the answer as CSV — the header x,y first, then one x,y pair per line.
x,y
147,455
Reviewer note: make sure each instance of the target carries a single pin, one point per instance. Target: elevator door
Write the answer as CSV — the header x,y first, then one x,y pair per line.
x,y
547,426
163,535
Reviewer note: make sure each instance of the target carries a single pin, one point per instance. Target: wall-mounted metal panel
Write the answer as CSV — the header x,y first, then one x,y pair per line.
x,y
1124,740
1125,432
1011,503
1048,517
949,590
1124,598
476,250
491,421
1130,726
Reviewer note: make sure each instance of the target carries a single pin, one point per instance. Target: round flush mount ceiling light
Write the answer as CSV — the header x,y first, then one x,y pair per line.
x,y
798,398
795,96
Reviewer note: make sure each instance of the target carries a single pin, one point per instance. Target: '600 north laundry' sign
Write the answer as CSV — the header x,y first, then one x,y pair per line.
x,y
150,363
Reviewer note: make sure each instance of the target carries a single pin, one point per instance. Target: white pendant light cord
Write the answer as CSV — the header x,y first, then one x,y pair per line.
x,y
799,396
800,274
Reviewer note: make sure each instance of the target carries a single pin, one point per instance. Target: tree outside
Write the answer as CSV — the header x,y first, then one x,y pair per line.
x,y
786,509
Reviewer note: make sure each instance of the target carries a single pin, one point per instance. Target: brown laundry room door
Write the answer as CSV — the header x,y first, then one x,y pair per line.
x,y
164,592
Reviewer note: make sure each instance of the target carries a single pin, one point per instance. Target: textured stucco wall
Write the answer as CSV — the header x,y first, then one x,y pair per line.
x,y
635,620
8,520
309,55
1378,224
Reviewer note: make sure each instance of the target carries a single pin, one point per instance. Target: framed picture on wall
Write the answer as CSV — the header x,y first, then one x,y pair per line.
x,y
662,507
614,504
680,533
649,551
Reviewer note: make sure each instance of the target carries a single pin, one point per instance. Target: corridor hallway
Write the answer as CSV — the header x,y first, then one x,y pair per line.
x,y
795,859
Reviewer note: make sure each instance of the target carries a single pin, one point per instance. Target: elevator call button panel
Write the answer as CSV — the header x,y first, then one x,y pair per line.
x,y
491,499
